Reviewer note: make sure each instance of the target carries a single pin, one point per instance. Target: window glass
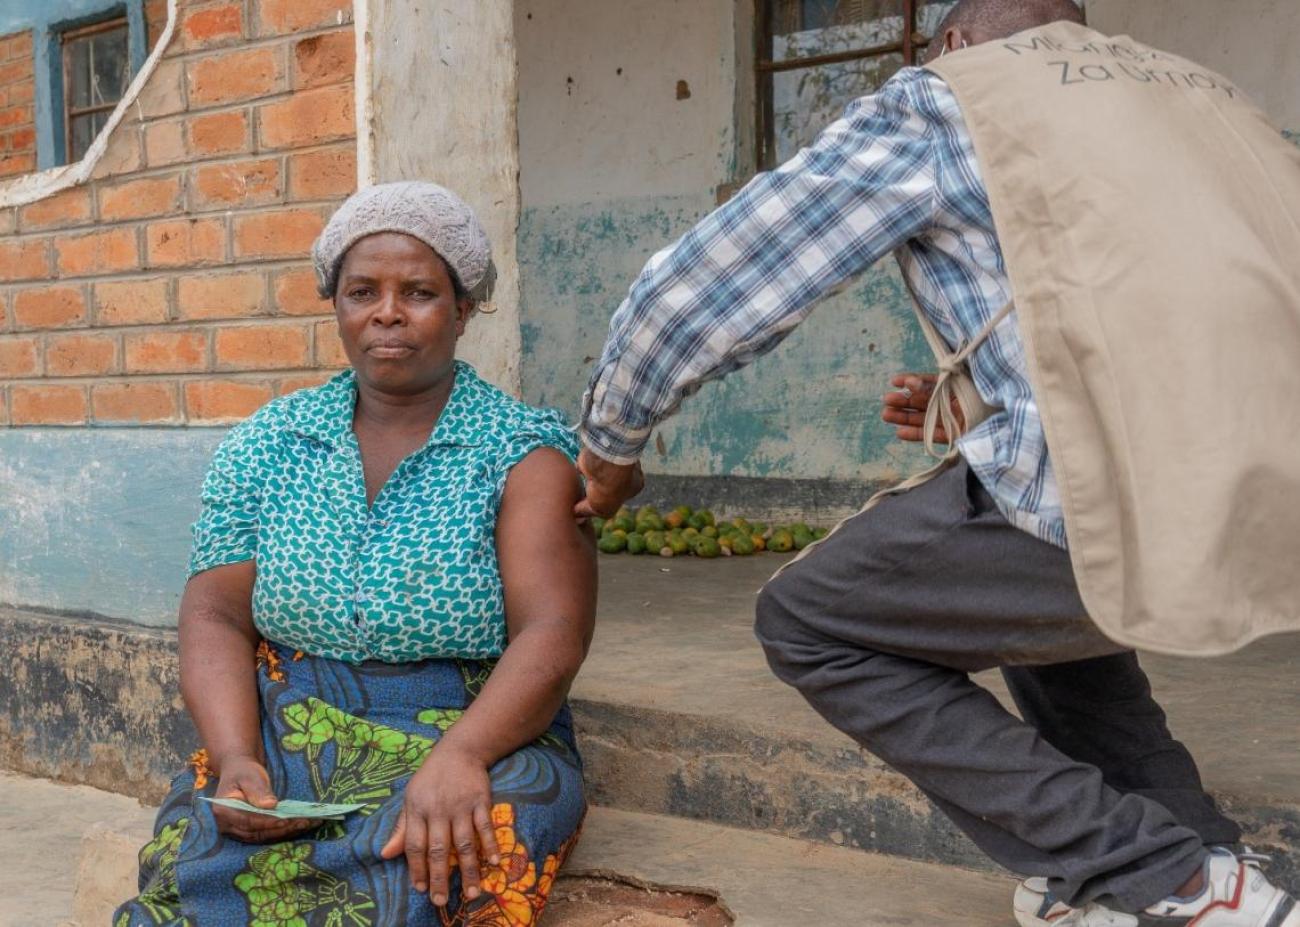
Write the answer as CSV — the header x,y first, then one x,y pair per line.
x,y
96,72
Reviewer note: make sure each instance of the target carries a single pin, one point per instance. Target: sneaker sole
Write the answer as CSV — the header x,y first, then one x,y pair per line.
x,y
1286,915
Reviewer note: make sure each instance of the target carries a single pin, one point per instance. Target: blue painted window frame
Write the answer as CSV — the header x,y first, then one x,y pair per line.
x,y
51,145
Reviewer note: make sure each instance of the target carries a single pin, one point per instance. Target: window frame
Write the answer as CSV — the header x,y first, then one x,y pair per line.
x,y
766,69
66,36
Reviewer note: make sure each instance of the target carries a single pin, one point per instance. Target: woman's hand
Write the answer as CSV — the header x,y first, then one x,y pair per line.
x,y
245,778
446,819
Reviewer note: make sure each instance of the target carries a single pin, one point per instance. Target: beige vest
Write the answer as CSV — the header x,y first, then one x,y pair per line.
x,y
1149,215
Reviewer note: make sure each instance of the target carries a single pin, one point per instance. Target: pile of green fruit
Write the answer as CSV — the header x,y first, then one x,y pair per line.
x,y
685,531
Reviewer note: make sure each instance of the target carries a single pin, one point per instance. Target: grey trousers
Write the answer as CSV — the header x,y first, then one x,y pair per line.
x,y
880,627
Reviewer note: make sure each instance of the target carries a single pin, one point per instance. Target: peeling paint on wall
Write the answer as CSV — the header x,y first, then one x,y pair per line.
x,y
97,521
808,410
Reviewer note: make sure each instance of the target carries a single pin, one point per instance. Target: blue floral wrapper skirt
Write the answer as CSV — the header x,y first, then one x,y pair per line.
x,y
337,732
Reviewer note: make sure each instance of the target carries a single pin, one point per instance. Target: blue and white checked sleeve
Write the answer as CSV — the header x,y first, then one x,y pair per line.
x,y
738,283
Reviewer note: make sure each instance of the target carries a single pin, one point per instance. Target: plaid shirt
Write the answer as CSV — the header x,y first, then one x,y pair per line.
x,y
896,173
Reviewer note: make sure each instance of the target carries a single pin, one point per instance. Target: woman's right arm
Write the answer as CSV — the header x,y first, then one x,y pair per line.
x,y
219,685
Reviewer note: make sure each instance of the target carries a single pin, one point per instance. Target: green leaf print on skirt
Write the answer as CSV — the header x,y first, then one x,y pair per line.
x,y
281,886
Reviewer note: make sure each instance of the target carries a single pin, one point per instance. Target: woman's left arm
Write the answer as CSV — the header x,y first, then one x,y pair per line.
x,y
548,569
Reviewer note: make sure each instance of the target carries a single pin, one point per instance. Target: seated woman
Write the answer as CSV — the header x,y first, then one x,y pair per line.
x,y
388,600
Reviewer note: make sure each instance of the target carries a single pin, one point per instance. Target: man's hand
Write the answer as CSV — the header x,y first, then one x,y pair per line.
x,y
609,485
905,409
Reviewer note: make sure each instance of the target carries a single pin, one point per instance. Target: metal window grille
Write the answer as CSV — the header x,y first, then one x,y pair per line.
x,y
785,17
96,72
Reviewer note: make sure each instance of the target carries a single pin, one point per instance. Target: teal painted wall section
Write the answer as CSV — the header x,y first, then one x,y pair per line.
x,y
97,520
808,410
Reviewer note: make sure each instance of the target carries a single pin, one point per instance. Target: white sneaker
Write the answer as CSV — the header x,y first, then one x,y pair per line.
x,y
1236,894
1035,906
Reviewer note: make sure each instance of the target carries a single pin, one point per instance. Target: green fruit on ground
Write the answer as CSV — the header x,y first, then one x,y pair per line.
x,y
624,523
691,532
742,524
701,518
758,527
612,544
742,545
674,520
759,542
646,510
655,541
679,544
725,541
598,525
623,512
709,531
781,542
819,533
800,528
802,539
684,510
636,543
705,547
649,522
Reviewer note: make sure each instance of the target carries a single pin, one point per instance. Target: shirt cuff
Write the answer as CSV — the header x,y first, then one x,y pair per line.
x,y
612,445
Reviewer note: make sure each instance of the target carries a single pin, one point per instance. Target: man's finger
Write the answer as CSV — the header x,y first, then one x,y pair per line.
x,y
463,839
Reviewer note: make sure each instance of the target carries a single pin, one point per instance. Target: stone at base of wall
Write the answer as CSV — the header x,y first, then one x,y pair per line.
x,y
821,502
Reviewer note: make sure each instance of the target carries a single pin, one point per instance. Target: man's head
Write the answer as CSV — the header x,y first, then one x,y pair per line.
x,y
974,21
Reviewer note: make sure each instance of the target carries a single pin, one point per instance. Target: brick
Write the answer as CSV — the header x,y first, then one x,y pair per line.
x,y
131,302
24,259
8,221
162,94
137,199
166,351
221,296
18,164
243,183
124,153
23,91
212,26
282,233
264,347
49,307
80,355
97,252
185,242
164,143
304,381
278,17
68,207
47,404
16,116
330,58
139,403
4,407
323,174
309,117
22,139
328,348
235,76
20,45
18,358
15,71
219,133
295,293
220,401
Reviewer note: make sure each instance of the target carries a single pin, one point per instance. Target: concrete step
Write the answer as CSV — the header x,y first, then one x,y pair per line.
x,y
89,839
680,715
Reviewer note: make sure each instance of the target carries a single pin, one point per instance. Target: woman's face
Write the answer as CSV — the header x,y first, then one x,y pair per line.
x,y
398,314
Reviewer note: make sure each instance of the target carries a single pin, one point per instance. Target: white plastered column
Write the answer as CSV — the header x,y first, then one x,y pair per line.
x,y
438,100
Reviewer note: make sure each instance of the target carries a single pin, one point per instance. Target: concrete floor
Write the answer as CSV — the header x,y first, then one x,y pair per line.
x,y
677,635
764,881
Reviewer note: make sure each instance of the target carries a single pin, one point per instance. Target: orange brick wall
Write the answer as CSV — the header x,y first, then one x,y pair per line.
x,y
175,288
17,111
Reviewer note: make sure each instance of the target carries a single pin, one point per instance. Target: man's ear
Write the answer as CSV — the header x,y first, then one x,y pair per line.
x,y
950,41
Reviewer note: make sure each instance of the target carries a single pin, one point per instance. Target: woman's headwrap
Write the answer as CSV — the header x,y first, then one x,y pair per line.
x,y
425,211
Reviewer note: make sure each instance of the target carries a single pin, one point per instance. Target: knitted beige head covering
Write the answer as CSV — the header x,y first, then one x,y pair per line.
x,y
426,211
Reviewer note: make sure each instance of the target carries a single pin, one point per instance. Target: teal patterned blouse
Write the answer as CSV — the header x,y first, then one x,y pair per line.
x,y
412,577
